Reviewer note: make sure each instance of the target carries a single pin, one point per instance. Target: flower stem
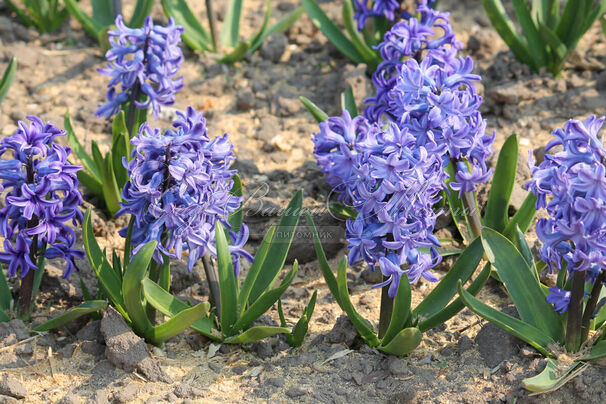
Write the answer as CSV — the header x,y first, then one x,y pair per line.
x,y
213,284
386,309
131,114
27,282
591,305
117,6
212,22
575,312
473,216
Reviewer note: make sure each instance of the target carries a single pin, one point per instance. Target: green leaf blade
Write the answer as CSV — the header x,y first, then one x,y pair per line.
x,y
227,281
502,185
522,285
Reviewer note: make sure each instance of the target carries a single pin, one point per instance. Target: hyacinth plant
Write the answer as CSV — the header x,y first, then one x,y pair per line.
x,y
366,22
226,45
104,14
143,64
568,317
183,197
44,15
547,35
42,201
419,146
7,78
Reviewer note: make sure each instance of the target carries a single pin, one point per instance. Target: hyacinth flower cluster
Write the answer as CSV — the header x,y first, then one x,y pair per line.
x,y
570,184
142,65
42,201
430,34
392,183
179,188
389,9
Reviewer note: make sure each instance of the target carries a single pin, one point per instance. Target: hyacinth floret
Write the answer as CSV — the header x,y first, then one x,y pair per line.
x,y
179,187
570,184
429,34
392,184
42,199
377,8
145,60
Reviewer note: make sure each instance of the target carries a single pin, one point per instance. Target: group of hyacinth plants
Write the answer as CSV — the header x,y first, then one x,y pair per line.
x,y
547,35
44,15
366,22
568,317
225,43
419,149
180,192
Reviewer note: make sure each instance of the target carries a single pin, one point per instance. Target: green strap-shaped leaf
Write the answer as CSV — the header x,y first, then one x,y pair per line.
x,y
227,281
21,14
506,29
184,319
342,210
8,77
264,25
276,256
236,217
331,31
522,285
5,292
263,303
401,311
558,48
457,209
329,277
314,110
503,182
170,306
235,55
598,351
403,343
120,148
230,32
553,376
360,323
462,270
594,15
300,329
111,193
103,12
4,318
522,245
520,329
87,161
135,272
277,28
85,308
523,217
39,273
195,36
255,268
142,9
90,183
457,304
255,334
371,57
112,285
348,102
536,46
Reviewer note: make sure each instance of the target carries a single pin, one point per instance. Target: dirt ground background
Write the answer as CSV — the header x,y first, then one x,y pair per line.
x,y
465,360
